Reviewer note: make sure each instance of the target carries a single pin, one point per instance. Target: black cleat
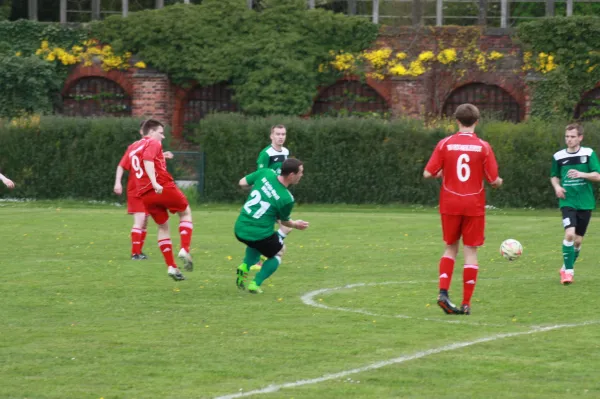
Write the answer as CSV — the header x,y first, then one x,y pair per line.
x,y
465,309
448,307
139,256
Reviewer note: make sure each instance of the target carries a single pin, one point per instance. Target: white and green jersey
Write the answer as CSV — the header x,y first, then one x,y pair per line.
x,y
579,192
270,158
269,201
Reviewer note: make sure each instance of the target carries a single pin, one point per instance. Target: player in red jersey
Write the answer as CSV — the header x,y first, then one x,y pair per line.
x,y
135,206
463,161
160,195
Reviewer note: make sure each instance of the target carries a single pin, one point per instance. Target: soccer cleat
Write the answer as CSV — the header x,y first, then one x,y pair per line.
x,y
256,268
242,275
566,278
448,307
138,257
465,309
188,264
175,274
254,289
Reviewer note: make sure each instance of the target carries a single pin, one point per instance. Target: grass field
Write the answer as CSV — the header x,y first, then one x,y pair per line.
x,y
350,313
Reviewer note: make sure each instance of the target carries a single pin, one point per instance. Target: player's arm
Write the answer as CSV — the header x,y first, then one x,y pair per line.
x,y
555,180
151,172
593,175
168,155
248,181
286,220
433,169
491,168
7,182
118,189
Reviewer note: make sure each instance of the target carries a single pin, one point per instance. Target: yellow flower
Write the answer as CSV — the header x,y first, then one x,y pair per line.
x,y
142,65
50,57
376,75
378,58
401,55
44,45
18,54
495,55
447,56
416,68
426,56
398,70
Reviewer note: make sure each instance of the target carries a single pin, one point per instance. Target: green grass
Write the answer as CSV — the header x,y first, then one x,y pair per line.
x,y
80,320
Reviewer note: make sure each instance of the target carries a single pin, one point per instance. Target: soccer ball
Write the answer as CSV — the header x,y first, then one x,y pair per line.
x,y
511,249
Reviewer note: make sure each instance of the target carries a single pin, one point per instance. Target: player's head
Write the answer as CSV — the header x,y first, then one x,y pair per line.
x,y
292,170
278,133
573,135
467,115
153,129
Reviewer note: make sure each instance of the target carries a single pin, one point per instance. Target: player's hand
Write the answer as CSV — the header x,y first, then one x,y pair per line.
x,y
158,189
301,225
8,183
168,155
497,183
439,174
574,174
560,192
118,189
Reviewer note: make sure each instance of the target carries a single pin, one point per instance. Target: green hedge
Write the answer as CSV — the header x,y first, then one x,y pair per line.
x,y
373,161
65,157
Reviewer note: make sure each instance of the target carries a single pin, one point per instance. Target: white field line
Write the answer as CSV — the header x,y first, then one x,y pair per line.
x,y
398,360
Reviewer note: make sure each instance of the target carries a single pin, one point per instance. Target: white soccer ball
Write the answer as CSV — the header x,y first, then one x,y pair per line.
x,y
511,249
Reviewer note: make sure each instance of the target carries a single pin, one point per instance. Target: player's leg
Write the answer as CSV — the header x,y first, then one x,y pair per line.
x,y
137,232
186,229
273,248
473,232
569,216
144,232
451,234
583,220
251,257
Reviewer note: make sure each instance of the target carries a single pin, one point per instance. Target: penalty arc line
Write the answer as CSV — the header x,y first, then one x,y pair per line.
x,y
401,359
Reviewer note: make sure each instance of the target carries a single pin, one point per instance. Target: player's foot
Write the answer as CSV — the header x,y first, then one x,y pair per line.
x,y
175,274
242,275
465,309
448,307
139,256
256,268
254,289
188,264
566,278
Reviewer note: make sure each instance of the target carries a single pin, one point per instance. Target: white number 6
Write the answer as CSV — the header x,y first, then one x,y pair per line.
x,y
462,168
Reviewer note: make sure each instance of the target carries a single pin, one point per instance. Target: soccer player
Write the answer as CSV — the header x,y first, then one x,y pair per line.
x,y
7,182
269,201
160,195
573,171
463,161
135,206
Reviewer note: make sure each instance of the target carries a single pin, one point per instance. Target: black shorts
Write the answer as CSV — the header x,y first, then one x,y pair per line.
x,y
269,246
576,218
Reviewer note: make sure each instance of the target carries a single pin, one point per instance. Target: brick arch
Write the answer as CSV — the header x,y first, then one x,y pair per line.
x,y
490,97
195,102
122,78
590,100
378,91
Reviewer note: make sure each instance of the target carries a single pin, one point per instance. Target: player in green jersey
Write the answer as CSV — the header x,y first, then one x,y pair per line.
x,y
573,171
269,201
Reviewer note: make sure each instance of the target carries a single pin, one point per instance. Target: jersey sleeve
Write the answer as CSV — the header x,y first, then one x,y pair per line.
x,y
436,161
152,150
125,162
263,160
555,172
253,177
491,165
594,163
286,211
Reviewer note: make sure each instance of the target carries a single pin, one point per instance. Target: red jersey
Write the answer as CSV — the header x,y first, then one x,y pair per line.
x,y
127,165
148,149
466,161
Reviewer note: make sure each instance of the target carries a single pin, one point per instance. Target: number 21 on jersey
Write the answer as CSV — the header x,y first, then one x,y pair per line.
x,y
256,199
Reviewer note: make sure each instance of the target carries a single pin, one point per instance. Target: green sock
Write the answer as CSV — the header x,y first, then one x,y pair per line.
x,y
252,256
577,250
268,268
568,254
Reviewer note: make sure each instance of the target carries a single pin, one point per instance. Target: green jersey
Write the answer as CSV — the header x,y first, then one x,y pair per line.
x,y
579,192
269,201
270,158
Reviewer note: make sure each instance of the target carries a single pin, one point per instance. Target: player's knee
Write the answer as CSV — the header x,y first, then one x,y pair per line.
x,y
280,253
569,236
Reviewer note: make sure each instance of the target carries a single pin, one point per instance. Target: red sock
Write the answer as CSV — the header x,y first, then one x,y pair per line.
x,y
469,281
136,241
166,247
185,233
446,270
143,240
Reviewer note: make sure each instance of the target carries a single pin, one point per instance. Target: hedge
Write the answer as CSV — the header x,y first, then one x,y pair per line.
x,y
351,160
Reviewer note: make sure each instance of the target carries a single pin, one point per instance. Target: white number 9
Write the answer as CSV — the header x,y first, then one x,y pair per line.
x,y
135,164
462,168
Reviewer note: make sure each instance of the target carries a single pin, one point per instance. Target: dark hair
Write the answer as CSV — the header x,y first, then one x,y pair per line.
x,y
467,114
277,127
290,165
575,126
150,124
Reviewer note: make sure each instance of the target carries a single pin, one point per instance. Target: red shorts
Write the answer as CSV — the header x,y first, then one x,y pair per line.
x,y
471,228
135,204
171,199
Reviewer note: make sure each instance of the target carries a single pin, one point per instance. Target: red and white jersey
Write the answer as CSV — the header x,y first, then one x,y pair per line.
x,y
125,163
466,160
148,149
